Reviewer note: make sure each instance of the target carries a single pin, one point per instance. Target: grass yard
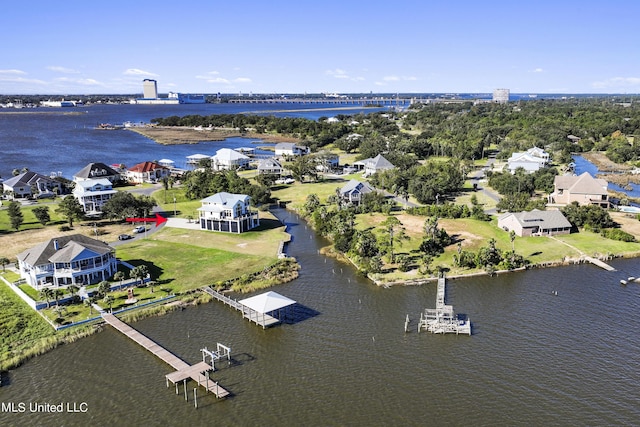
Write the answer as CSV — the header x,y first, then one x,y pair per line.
x,y
22,328
29,222
594,244
296,194
474,234
188,259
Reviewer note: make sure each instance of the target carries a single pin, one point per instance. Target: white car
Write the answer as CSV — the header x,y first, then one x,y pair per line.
x,y
285,181
140,229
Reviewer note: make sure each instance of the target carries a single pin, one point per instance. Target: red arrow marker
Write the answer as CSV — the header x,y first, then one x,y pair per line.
x,y
159,219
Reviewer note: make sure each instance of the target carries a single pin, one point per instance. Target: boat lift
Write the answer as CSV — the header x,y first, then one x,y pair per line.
x,y
221,352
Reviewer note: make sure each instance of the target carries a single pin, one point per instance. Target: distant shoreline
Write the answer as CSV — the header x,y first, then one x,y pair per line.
x,y
173,135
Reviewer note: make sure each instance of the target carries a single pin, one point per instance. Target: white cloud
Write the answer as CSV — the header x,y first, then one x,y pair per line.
x,y
399,78
538,70
218,80
137,72
337,73
63,70
617,82
12,72
242,80
380,83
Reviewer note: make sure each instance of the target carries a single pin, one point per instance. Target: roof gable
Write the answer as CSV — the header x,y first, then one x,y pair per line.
x,y
145,167
225,199
96,170
41,254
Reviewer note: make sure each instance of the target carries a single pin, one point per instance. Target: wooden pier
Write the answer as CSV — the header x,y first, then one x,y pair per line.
x,y
256,317
442,319
184,371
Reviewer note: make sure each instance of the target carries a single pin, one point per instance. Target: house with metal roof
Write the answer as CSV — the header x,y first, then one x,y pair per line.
x,y
67,260
228,212
269,166
583,189
535,223
228,159
31,184
531,160
353,191
373,165
290,149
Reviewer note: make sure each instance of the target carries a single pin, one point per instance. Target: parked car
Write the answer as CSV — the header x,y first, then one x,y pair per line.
x,y
125,237
140,229
285,181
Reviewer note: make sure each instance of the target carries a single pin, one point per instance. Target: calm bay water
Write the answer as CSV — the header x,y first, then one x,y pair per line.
x,y
534,358
65,140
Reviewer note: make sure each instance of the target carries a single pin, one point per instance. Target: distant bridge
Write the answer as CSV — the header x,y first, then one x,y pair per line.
x,y
331,101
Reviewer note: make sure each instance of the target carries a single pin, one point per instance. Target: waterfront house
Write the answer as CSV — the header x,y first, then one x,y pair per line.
x,y
97,170
195,159
270,166
291,149
535,223
228,212
228,159
373,165
584,189
67,260
93,194
146,172
31,184
353,191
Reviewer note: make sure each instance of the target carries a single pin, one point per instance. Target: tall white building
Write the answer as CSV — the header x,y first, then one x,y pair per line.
x,y
149,88
501,95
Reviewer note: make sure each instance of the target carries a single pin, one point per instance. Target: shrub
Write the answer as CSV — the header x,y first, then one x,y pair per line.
x,y
617,234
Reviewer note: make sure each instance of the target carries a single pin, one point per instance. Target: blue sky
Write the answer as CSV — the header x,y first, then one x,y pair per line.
x,y
348,46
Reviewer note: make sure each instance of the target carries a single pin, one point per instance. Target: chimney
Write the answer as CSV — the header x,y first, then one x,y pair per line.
x,y
56,246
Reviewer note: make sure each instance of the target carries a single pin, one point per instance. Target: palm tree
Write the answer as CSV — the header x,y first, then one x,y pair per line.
x,y
103,288
90,301
73,289
4,261
109,301
512,237
57,294
47,294
139,272
119,276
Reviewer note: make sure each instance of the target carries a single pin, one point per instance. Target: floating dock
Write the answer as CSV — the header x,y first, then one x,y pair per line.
x,y
442,319
184,371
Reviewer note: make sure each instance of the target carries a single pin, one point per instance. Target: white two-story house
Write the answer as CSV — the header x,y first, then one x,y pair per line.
x,y
228,212
67,260
93,194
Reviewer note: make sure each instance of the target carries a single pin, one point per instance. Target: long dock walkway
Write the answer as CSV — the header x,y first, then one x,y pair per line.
x,y
258,318
183,371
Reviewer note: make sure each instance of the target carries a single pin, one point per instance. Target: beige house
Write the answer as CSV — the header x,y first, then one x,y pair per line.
x,y
535,223
584,189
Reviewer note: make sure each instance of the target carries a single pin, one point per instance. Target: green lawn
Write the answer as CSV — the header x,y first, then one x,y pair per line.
x,y
29,221
474,234
296,194
22,329
189,259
